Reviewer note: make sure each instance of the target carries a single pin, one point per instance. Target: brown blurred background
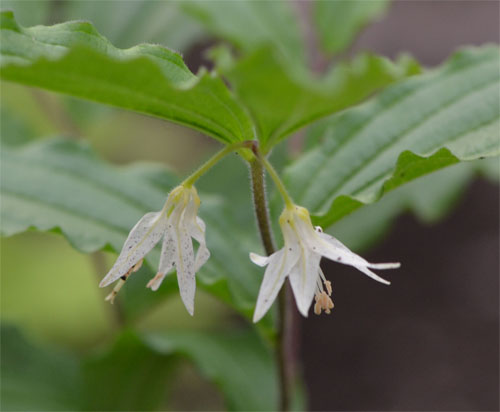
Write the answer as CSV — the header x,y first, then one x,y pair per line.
x,y
430,341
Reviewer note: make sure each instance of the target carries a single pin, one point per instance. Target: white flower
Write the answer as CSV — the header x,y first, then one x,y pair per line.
x,y
176,223
299,260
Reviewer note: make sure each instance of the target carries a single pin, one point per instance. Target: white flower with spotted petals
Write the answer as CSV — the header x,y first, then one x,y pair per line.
x,y
177,223
299,259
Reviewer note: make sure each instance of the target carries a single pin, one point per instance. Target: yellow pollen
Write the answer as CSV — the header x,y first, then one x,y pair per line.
x,y
328,286
323,302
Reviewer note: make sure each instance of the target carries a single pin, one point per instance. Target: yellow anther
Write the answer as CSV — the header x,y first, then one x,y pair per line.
x,y
328,286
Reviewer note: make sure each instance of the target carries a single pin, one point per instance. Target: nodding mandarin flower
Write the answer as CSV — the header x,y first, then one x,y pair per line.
x,y
176,223
299,259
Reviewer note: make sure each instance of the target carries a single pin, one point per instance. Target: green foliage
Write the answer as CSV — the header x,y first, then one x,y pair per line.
x,y
134,372
35,379
283,99
72,58
62,186
338,22
415,127
240,364
251,24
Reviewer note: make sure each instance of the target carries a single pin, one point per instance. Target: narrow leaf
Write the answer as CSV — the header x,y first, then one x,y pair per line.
x,y
72,58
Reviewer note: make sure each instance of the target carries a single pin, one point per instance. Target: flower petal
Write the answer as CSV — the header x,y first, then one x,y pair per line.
x,y
141,239
303,278
184,261
280,264
333,249
260,260
197,231
167,260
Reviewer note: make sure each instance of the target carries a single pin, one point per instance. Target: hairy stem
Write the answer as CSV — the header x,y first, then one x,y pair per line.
x,y
285,323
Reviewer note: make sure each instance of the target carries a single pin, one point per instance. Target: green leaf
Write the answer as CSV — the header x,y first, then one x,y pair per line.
x,y
251,24
36,379
422,124
134,373
72,58
282,98
338,22
240,364
61,186
128,376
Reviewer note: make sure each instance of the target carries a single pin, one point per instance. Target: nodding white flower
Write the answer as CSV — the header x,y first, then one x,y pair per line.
x,y
299,260
176,223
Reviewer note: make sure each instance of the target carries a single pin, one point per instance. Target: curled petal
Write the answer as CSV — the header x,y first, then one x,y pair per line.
x,y
141,239
260,260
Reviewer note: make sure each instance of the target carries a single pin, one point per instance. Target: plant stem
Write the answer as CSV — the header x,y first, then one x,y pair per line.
x,y
283,359
189,181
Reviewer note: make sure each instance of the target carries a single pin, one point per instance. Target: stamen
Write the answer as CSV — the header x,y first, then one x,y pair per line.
x,y
111,297
328,286
323,302
157,277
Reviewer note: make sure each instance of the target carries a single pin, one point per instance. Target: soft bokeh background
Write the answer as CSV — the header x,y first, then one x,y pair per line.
x,y
429,342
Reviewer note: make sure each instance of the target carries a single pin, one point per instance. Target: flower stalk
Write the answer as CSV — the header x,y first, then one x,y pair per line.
x,y
205,167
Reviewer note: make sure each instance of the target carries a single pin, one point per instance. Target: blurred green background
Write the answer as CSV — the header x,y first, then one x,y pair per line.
x,y
50,291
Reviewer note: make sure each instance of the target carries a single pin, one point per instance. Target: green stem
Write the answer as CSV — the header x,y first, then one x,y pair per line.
x,y
277,181
284,359
205,167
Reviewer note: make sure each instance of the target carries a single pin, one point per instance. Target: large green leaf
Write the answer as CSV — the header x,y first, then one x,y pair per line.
x,y
61,186
429,198
251,24
415,127
282,98
35,379
72,58
338,22
123,23
135,372
239,363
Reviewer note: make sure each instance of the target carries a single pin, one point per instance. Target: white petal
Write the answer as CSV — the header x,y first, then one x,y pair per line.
x,y
369,273
304,277
394,265
184,262
280,264
260,260
197,231
333,249
167,259
141,239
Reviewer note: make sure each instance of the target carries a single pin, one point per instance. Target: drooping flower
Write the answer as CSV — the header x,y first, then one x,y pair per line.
x,y
299,259
177,223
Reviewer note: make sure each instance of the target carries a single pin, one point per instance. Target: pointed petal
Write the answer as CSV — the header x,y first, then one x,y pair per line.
x,y
303,278
280,264
184,261
141,239
167,260
274,277
369,273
